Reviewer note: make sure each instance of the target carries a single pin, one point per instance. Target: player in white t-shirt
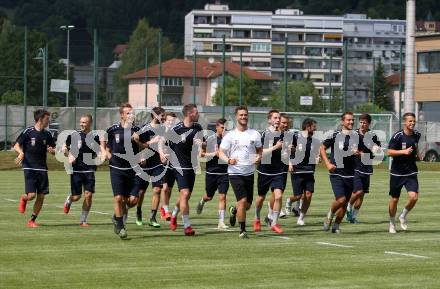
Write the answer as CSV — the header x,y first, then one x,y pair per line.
x,y
241,148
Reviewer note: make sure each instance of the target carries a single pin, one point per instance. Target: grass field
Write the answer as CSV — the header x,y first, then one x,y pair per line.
x,y
60,254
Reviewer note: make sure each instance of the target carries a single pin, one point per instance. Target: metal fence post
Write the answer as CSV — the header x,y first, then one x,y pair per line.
x,y
400,84
285,75
194,75
25,76
159,78
241,77
223,76
146,77
95,75
6,127
345,75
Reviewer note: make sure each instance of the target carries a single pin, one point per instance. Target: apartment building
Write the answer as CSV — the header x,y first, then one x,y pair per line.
x,y
312,42
368,42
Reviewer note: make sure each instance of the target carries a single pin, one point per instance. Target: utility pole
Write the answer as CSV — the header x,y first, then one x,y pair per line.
x,y
223,76
159,79
25,75
194,75
330,81
146,77
373,93
95,75
67,28
400,84
345,74
285,74
241,77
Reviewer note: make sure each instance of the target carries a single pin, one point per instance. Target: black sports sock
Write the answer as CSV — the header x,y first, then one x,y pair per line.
x,y
139,213
34,217
119,222
153,215
242,227
234,210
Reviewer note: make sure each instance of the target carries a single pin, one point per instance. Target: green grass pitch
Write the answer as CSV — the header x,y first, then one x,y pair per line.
x,y
60,254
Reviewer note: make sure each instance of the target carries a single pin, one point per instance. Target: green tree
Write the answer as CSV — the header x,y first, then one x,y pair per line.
x,y
251,92
12,97
335,103
133,59
382,88
296,89
367,108
11,64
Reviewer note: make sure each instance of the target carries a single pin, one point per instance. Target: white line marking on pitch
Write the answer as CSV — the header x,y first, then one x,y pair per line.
x,y
58,206
225,230
273,236
334,245
405,254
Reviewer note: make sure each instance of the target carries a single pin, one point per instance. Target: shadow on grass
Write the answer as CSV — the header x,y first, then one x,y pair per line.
x,y
91,225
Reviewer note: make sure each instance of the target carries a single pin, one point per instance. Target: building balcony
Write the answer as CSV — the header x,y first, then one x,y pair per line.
x,y
172,89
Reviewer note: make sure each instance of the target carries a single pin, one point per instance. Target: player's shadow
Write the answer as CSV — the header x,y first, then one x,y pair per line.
x,y
399,232
91,225
178,234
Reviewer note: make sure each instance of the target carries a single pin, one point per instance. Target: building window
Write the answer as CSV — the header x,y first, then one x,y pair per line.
x,y
260,47
336,52
192,81
313,51
295,50
261,34
277,49
220,33
83,96
313,64
172,81
278,36
336,64
295,37
260,64
202,35
297,76
428,62
200,19
219,47
277,63
333,78
314,37
241,34
238,48
171,99
222,19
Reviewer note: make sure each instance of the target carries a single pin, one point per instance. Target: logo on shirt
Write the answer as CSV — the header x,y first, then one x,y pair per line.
x,y
44,141
252,142
236,141
79,144
33,141
341,145
300,147
117,138
404,145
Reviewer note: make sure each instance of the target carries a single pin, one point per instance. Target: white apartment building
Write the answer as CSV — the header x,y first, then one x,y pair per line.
x,y
312,42
260,35
369,39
